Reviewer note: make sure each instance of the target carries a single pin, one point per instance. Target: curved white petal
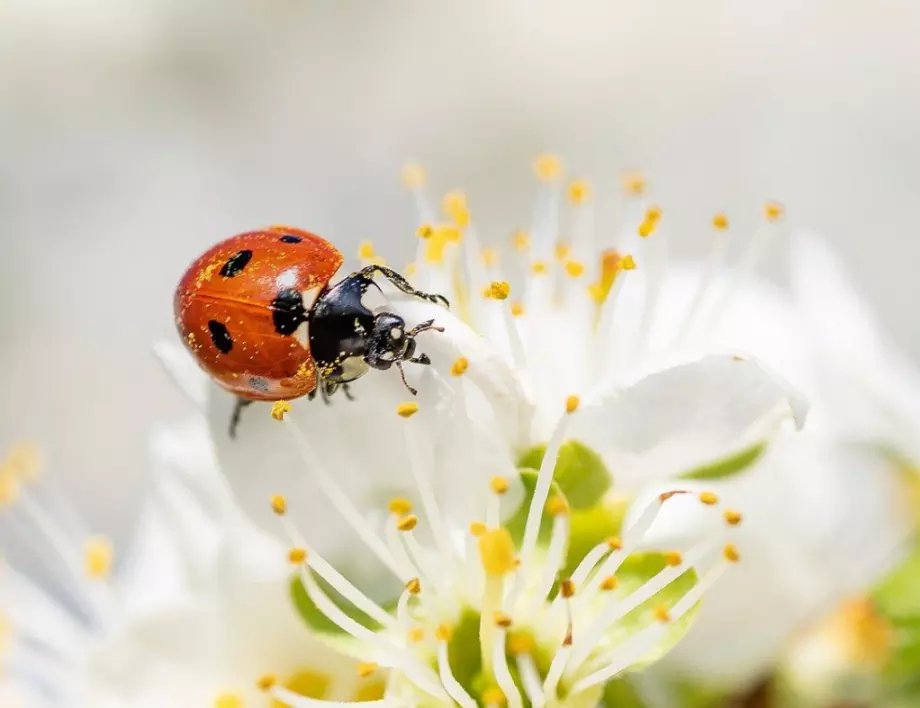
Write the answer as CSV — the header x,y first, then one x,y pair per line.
x,y
184,371
691,415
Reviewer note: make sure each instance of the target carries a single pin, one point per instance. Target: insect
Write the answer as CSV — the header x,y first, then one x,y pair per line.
x,y
260,316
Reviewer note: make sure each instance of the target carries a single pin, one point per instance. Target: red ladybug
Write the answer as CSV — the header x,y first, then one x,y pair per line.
x,y
258,313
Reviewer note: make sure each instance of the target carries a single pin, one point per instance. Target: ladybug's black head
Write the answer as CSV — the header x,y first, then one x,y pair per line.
x,y
389,342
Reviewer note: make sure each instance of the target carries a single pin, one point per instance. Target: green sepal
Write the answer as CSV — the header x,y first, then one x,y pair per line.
x,y
589,527
728,466
518,520
580,472
620,693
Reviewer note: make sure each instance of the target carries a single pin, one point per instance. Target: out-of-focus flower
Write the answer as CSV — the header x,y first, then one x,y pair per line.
x,y
198,607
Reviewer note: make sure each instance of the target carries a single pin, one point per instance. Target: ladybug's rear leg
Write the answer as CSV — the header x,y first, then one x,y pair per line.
x,y
238,407
401,283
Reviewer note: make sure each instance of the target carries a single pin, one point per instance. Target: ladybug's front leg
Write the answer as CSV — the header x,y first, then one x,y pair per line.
x,y
238,407
402,284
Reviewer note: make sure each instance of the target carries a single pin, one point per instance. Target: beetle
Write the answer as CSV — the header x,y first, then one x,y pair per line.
x,y
259,314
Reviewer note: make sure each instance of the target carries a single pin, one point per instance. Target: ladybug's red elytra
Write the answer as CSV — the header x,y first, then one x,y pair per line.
x,y
259,315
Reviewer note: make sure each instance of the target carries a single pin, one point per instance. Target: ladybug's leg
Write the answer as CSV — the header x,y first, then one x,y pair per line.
x,y
402,373
238,407
347,391
401,283
420,359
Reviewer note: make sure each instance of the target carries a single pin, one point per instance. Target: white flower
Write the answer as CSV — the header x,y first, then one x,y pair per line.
x,y
199,606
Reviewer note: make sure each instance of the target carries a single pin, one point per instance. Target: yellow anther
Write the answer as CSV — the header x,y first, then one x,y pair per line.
x,y
720,221
496,552
425,231
521,241
228,700
673,558
410,269
477,528
297,556
502,620
416,635
579,191
572,403
437,241
627,262
653,213
407,523
614,543
9,488
517,309
459,367
730,553
562,251
566,588
24,460
442,633
267,682
400,506
279,505
557,506
732,517
634,183
538,267
279,409
366,250
367,669
414,586
664,496
489,257
454,202
648,227
520,643
662,614
98,556
709,498
493,696
499,290
499,485
547,167
773,211
407,409
414,176
609,583
575,269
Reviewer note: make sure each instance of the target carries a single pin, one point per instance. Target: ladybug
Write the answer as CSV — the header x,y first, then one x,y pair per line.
x,y
260,316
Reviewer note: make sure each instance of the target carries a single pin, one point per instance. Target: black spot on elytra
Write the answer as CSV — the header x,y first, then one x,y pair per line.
x,y
287,311
220,335
235,264
289,238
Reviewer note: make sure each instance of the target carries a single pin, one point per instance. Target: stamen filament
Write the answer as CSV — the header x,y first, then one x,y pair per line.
x,y
491,603
530,679
294,700
712,269
449,681
502,673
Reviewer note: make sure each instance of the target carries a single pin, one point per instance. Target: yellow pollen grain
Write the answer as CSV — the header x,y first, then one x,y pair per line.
x,y
416,635
662,614
367,669
502,620
547,168
579,191
566,588
730,553
407,523
366,250
477,529
425,231
499,484
297,556
279,409
459,367
572,403
648,227
267,682
538,267
575,269
614,543
399,506
496,552
279,505
228,700
773,211
414,176
493,696
634,183
442,633
562,251
517,309
520,643
98,556
627,262
673,558
653,213
521,241
489,257
609,583
709,498
499,290
732,517
407,409
414,586
557,506
720,221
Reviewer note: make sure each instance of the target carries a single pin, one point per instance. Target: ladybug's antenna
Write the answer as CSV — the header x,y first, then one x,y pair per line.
x,y
402,373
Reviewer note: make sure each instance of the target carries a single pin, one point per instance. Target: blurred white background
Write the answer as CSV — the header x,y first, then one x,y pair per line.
x,y
134,134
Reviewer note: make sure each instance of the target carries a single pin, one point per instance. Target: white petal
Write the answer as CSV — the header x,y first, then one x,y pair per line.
x,y
682,418
184,371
